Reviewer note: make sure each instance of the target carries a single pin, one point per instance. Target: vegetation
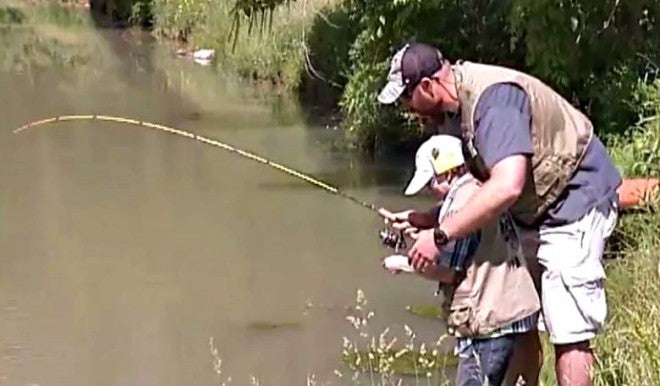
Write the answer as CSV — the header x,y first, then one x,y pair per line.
x,y
597,53
626,354
276,55
42,36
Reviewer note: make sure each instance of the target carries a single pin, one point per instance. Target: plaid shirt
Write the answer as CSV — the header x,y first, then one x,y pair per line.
x,y
457,255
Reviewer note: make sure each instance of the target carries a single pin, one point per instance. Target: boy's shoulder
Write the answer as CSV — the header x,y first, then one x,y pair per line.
x,y
464,192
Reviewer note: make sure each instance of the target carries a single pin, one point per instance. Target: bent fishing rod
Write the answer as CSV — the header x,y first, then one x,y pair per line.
x,y
197,137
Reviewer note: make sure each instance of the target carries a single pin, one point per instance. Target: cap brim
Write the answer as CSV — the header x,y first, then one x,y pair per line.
x,y
390,93
417,183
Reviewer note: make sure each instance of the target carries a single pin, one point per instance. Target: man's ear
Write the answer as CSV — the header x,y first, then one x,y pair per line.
x,y
426,87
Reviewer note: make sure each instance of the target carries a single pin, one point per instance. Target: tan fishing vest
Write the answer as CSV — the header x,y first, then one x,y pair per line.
x,y
560,135
496,289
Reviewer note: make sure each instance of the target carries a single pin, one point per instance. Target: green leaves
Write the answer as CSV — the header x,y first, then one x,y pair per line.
x,y
591,51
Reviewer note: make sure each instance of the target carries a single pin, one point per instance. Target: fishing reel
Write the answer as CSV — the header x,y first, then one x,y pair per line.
x,y
393,239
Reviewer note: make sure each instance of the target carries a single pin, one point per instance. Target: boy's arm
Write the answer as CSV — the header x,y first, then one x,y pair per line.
x,y
424,220
457,253
411,218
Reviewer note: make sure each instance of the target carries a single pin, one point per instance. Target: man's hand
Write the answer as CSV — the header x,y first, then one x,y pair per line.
x,y
423,252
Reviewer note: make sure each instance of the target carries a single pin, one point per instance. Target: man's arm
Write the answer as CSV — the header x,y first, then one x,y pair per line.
x,y
504,141
506,182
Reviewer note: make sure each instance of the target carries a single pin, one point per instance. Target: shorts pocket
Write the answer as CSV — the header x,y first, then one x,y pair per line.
x,y
585,284
563,247
579,275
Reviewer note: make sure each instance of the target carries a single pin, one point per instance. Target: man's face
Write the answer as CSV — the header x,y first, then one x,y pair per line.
x,y
428,101
422,100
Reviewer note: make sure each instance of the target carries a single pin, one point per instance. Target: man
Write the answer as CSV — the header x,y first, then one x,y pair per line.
x,y
540,160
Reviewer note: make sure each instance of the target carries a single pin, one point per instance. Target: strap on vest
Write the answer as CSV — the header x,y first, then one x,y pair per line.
x,y
449,199
507,225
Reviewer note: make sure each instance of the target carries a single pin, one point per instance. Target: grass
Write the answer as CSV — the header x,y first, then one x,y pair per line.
x,y
276,55
379,356
400,362
43,35
627,352
430,311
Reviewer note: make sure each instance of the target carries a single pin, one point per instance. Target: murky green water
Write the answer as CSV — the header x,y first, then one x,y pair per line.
x,y
124,250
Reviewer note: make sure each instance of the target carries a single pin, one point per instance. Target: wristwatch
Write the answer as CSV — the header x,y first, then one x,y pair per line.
x,y
440,237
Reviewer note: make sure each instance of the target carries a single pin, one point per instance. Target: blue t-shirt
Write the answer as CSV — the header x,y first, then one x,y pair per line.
x,y
503,128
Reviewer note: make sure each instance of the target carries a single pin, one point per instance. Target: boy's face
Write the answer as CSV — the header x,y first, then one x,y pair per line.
x,y
439,186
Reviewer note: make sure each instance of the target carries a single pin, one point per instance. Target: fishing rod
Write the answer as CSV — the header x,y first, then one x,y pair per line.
x,y
388,237
197,137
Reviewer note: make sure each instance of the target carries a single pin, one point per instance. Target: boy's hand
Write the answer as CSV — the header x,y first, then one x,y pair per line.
x,y
396,264
409,219
394,217
399,220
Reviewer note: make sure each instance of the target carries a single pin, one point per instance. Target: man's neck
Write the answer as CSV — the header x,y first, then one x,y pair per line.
x,y
457,83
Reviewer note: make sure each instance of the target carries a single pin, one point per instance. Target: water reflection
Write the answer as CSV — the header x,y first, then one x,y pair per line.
x,y
124,250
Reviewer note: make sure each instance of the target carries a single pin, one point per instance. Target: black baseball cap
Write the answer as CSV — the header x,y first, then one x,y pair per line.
x,y
409,65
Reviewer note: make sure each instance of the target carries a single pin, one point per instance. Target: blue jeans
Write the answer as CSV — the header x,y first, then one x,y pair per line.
x,y
487,359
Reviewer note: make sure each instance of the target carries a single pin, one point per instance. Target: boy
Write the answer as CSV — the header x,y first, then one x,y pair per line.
x,y
489,295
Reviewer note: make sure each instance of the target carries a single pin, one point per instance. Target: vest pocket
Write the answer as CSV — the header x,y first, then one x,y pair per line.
x,y
460,320
549,173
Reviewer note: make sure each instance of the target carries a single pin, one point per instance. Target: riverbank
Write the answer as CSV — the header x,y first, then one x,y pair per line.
x,y
43,36
336,52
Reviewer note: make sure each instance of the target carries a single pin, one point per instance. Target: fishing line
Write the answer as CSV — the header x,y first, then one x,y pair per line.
x,y
197,137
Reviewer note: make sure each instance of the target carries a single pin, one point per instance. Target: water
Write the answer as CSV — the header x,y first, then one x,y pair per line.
x,y
124,250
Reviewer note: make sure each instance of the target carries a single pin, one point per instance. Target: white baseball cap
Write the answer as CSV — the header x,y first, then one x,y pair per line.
x,y
436,155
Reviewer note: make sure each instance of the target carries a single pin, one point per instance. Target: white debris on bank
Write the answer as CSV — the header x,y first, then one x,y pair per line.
x,y
202,56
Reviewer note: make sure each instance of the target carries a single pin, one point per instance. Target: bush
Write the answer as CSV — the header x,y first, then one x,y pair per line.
x,y
386,26
626,353
263,50
637,153
137,12
593,52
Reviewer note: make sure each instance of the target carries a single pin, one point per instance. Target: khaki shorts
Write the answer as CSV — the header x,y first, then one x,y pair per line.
x,y
572,279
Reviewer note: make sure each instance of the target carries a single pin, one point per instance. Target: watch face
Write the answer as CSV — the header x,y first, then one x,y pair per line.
x,y
440,237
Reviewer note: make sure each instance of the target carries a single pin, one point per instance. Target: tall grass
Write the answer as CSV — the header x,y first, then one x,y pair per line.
x,y
42,35
274,52
376,358
627,352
